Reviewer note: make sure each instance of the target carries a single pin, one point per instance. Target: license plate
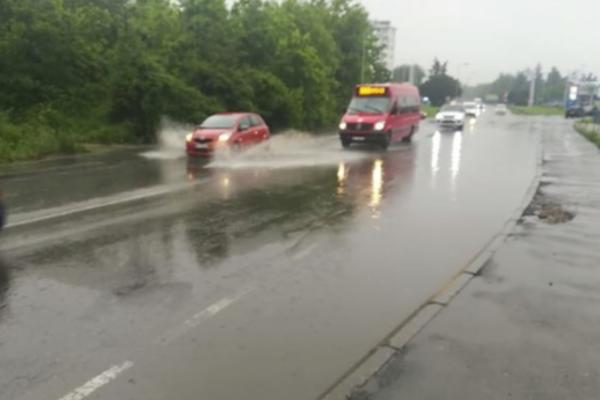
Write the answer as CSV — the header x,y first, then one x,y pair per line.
x,y
358,138
201,146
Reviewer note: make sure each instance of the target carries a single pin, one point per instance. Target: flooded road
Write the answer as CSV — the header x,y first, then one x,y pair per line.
x,y
266,276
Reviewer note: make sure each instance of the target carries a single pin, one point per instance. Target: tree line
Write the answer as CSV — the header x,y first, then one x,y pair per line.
x,y
437,84
74,71
514,88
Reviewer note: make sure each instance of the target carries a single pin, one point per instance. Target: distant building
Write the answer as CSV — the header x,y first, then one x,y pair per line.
x,y
386,37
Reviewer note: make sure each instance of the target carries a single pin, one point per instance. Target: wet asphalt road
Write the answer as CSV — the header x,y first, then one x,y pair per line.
x,y
263,277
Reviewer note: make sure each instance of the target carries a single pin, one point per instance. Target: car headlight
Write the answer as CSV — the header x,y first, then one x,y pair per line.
x,y
379,126
223,137
343,126
188,137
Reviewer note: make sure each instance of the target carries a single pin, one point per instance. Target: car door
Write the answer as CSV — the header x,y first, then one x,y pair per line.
x,y
261,131
245,129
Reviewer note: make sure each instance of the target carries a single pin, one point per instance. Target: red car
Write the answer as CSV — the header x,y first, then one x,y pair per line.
x,y
381,114
234,131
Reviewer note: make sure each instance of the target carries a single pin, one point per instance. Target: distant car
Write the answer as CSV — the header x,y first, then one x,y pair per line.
x,y
471,109
227,131
451,116
501,109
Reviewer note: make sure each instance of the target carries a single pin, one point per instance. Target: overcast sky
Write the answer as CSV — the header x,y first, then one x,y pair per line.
x,y
494,36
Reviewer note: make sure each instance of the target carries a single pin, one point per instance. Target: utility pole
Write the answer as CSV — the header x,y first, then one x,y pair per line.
x,y
362,62
532,79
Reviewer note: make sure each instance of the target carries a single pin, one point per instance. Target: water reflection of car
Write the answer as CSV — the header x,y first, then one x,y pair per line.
x,y
451,116
381,114
227,131
368,182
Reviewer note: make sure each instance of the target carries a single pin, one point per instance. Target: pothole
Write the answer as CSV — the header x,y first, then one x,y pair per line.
x,y
548,210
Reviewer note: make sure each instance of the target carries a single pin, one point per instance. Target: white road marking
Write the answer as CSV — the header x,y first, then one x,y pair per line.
x,y
198,318
96,383
99,203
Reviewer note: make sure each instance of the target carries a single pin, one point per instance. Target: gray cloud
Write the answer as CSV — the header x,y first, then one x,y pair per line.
x,y
494,36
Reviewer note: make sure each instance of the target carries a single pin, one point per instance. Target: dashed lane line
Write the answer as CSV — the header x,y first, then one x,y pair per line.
x,y
97,382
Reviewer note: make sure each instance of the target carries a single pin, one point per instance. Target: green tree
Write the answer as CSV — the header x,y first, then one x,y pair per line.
x,y
108,70
440,87
438,68
519,93
555,86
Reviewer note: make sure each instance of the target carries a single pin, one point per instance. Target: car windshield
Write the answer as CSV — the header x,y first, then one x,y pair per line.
x,y
453,108
219,122
469,105
372,105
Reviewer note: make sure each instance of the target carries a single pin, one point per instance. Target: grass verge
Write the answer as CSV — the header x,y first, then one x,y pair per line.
x,y
430,110
537,110
49,133
590,130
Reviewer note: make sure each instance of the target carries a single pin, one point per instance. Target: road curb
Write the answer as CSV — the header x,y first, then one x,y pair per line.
x,y
361,374
411,326
414,326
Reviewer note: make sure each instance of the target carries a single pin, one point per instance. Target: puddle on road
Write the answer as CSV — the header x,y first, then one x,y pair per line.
x,y
290,149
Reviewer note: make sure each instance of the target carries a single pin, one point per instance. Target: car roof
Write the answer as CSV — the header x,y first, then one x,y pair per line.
x,y
236,113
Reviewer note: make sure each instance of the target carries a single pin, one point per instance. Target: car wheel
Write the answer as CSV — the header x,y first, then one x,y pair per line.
x,y
460,127
346,143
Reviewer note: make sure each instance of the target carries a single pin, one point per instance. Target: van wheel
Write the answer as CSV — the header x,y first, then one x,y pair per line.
x,y
385,143
408,139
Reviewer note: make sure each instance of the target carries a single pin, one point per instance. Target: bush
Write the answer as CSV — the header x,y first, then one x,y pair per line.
x,y
590,130
537,110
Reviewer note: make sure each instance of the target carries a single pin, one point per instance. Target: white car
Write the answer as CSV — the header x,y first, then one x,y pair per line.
x,y
471,109
501,109
452,116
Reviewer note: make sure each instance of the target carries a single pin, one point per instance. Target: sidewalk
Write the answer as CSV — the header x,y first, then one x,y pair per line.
x,y
529,326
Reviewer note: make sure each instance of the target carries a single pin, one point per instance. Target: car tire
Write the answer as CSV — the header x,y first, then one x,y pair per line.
x,y
346,143
460,127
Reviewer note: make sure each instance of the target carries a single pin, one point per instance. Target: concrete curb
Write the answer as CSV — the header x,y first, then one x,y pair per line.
x,y
411,326
360,375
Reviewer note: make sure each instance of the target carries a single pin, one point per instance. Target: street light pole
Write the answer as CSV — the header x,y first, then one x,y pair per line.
x,y
362,62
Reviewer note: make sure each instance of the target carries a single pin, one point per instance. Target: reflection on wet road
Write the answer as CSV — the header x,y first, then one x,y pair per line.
x,y
270,276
